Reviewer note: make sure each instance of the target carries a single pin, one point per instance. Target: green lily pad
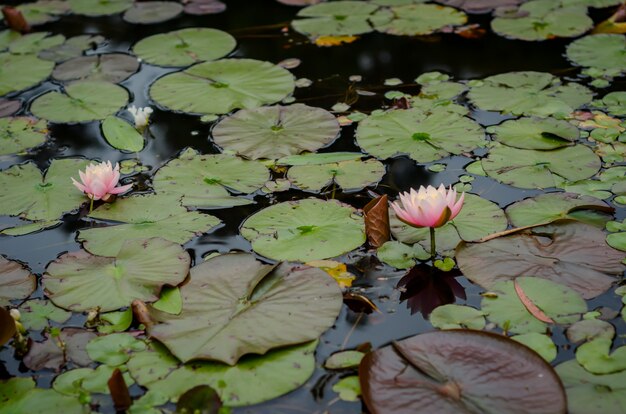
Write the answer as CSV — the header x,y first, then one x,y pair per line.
x,y
81,101
276,306
185,47
43,11
606,183
344,18
348,388
170,301
540,343
604,53
350,175
598,358
116,321
24,191
304,230
20,133
221,86
529,93
456,317
114,349
150,12
111,67
16,281
478,218
572,253
504,307
251,381
420,19
18,72
7,37
36,313
145,216
535,133
19,395
319,158
546,208
122,135
400,255
83,381
617,240
540,169
589,329
423,135
99,7
201,180
480,6
442,91
344,360
80,281
589,393
543,19
614,103
276,131
71,48
23,229
33,43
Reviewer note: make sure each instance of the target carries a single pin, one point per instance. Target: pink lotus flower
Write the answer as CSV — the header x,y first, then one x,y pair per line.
x,y
99,181
429,207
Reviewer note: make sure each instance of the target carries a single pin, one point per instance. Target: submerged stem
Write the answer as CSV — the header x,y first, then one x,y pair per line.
x,y
432,245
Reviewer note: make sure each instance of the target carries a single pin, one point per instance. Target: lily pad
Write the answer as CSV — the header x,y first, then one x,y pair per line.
x,y
80,281
456,317
614,103
598,358
602,52
43,11
18,72
19,134
122,135
36,313
185,47
400,255
111,67
344,360
71,48
423,135
339,18
81,381
202,7
201,180
16,281
221,86
33,43
250,308
480,6
529,93
478,218
304,230
504,306
144,216
99,7
540,343
114,349
276,131
150,12
459,371
350,175
590,329
19,395
24,191
535,133
540,169
420,19
8,107
573,254
543,19
81,101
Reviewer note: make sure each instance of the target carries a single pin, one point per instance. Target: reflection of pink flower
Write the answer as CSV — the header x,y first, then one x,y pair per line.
x,y
428,207
99,181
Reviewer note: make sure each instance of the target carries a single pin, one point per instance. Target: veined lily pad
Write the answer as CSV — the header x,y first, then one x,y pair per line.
x,y
221,86
33,43
249,308
400,255
540,169
16,282
145,216
540,343
112,67
459,371
420,19
505,307
19,72
149,12
529,93
598,358
535,133
114,349
80,281
19,134
424,135
82,101
19,395
36,314
304,230
71,48
573,254
480,6
589,329
81,381
122,135
276,131
478,218
185,47
614,103
339,18
543,19
251,381
99,7
24,191
43,11
603,53
200,179
456,317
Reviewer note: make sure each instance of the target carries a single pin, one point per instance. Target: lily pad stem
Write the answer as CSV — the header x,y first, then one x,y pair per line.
x,y
432,245
90,205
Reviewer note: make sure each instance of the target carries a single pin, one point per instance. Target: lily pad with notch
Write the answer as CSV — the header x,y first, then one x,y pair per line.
x,y
19,72
21,133
122,135
43,11
535,133
99,7
36,314
420,19
150,12
110,67
19,395
16,281
602,54
34,43
71,48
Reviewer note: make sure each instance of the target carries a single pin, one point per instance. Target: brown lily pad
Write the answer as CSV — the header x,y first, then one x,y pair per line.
x,y
16,282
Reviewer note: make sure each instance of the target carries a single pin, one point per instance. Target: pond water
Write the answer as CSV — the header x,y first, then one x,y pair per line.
x,y
262,31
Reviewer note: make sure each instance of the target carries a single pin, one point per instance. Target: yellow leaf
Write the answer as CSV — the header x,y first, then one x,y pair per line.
x,y
334,40
337,270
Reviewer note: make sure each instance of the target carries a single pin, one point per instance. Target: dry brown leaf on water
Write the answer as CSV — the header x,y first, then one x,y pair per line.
x,y
377,221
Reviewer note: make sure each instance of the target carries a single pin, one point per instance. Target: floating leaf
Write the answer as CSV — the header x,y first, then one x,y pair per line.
x,y
304,230
348,388
114,349
99,8
170,301
201,399
122,135
81,381
480,6
150,12
43,11
400,255
221,86
459,371
615,103
33,43
19,395
56,350
9,107
200,179
540,343
420,19
276,131
16,281
603,53
423,135
589,329
116,321
344,360
535,133
71,48
339,19
185,47
80,281
598,358
202,7
81,101
36,313
275,306
456,317
376,214
111,67
336,270
22,72
350,175
19,134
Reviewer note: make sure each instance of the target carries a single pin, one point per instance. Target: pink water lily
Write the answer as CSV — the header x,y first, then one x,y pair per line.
x,y
99,181
428,207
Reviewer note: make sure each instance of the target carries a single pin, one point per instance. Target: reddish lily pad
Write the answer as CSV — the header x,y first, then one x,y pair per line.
x,y
16,281
149,12
459,371
110,67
